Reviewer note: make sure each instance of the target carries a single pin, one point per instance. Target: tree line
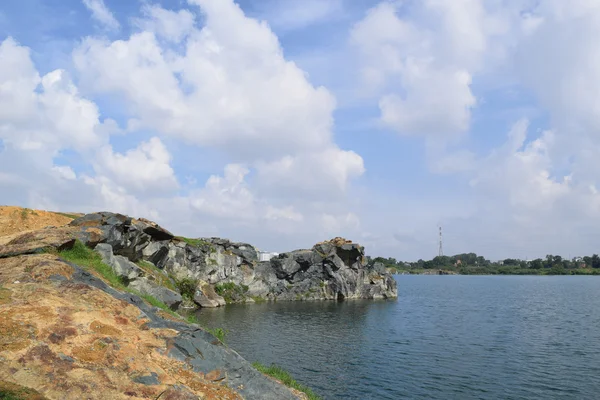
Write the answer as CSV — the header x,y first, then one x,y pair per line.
x,y
472,264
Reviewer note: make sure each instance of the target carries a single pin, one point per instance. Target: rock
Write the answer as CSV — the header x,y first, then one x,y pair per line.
x,y
154,230
39,241
121,266
73,338
206,296
171,298
177,392
334,269
148,380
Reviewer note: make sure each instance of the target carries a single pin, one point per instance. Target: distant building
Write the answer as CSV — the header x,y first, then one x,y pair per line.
x,y
266,256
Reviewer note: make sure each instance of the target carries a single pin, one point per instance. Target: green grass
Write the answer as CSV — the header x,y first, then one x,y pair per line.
x,y
187,287
197,243
231,292
158,274
219,333
26,212
285,378
11,391
85,257
258,299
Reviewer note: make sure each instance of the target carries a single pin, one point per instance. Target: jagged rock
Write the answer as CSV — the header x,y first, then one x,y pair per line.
x,y
135,278
121,266
167,296
206,296
334,269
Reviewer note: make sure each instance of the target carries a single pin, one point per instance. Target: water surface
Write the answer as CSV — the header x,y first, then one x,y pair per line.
x,y
446,337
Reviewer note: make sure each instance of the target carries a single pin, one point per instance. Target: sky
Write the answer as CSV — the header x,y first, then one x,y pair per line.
x,y
282,123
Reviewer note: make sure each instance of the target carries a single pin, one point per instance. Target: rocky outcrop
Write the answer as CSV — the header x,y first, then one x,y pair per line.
x,y
226,271
66,334
136,278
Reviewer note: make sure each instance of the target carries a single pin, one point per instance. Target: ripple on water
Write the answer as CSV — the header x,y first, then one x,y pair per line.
x,y
445,338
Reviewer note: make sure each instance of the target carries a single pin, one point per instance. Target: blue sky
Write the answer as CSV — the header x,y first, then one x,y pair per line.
x,y
282,123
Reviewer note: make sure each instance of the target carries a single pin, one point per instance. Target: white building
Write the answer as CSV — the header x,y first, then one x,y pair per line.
x,y
266,256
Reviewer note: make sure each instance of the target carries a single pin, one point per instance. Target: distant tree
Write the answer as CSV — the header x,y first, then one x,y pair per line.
x,y
510,261
595,261
538,263
588,261
482,262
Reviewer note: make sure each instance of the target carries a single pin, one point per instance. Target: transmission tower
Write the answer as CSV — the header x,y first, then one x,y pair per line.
x,y
441,249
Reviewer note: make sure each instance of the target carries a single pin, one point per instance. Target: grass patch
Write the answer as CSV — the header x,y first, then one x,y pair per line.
x,y
197,243
258,299
83,256
12,391
159,275
187,287
26,212
282,375
231,292
87,258
219,333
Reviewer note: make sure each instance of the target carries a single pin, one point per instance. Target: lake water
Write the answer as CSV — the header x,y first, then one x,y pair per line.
x,y
446,337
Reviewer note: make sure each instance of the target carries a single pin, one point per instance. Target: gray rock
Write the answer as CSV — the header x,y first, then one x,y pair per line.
x,y
334,269
151,379
121,266
198,350
169,297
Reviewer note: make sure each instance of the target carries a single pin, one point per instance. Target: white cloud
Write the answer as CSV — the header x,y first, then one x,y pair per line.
x,y
173,26
293,15
227,196
344,225
421,61
145,168
326,172
229,89
102,14
285,213
53,117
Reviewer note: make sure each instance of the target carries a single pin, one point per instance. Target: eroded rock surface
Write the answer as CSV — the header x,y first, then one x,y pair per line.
x,y
65,334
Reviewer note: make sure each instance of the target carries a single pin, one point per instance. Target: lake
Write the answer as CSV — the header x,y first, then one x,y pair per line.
x,y
446,337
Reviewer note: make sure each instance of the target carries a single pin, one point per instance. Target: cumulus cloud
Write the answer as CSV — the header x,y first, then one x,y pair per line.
x,y
171,25
102,14
421,60
43,112
233,84
145,168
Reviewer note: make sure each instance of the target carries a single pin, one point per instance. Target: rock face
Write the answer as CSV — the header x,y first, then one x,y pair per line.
x,y
67,335
225,271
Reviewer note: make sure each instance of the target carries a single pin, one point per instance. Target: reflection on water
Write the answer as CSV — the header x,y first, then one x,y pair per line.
x,y
447,337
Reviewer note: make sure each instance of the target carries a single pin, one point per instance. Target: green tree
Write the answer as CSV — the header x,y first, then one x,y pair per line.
x,y
595,261
538,263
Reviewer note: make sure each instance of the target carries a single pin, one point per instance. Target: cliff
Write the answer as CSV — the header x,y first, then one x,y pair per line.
x,y
91,328
66,333
222,271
